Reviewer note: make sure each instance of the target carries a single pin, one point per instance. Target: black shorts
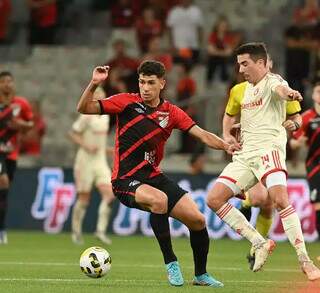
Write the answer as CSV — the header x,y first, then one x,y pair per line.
x,y
314,186
124,190
7,166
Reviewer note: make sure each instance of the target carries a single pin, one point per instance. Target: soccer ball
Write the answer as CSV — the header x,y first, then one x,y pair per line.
x,y
95,262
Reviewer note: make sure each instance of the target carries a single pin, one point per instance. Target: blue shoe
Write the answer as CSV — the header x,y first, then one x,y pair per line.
x,y
206,280
3,237
174,274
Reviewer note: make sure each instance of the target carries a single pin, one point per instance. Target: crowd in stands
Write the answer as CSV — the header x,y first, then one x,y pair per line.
x,y
172,31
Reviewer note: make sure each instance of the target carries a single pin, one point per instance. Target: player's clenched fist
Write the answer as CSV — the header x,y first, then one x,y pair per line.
x,y
100,74
295,96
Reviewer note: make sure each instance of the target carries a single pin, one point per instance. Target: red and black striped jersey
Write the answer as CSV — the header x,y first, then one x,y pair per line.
x,y
6,114
311,129
141,133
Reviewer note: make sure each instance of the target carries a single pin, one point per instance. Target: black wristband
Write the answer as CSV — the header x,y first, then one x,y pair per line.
x,y
296,124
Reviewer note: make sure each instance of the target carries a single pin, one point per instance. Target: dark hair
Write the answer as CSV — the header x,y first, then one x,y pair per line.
x,y
152,67
5,73
316,83
194,157
256,51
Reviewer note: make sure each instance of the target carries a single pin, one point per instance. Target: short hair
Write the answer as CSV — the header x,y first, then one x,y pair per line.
x,y
316,83
152,67
5,73
256,50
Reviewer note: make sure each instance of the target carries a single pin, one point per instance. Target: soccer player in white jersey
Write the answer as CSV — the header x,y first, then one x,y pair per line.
x,y
262,157
89,132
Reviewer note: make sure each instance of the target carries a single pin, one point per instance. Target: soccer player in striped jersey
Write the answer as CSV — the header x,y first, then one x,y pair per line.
x,y
144,123
309,133
261,158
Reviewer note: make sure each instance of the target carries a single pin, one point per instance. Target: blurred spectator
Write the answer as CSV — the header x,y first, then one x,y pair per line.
x,y
123,14
298,40
220,49
147,27
43,21
186,89
308,14
185,23
197,163
5,11
30,141
155,52
127,65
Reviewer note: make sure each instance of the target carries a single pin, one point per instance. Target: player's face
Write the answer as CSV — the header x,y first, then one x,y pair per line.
x,y
150,87
6,85
316,94
252,70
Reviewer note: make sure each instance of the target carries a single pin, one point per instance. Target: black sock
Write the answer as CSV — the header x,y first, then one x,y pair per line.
x,y
199,241
246,211
161,229
3,207
318,223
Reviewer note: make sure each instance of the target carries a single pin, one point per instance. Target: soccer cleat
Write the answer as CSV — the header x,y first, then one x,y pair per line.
x,y
206,280
103,238
307,266
318,258
3,237
251,260
261,254
174,274
77,238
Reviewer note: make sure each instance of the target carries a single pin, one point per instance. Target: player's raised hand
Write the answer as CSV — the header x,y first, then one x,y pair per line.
x,y
295,96
100,74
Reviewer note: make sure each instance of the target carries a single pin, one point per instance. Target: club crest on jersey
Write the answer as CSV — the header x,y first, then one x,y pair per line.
x,y
163,118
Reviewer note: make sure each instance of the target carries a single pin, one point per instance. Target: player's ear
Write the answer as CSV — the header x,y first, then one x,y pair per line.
x,y
162,83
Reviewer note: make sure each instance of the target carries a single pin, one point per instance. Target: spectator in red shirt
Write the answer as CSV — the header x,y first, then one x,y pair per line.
x,y
126,64
43,21
147,27
155,52
123,14
5,11
220,49
30,142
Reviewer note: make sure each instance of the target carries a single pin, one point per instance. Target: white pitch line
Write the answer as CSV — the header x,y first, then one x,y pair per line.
x,y
110,281
139,266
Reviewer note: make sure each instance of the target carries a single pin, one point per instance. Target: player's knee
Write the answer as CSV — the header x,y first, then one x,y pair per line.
x,y
281,202
199,222
213,201
4,181
160,204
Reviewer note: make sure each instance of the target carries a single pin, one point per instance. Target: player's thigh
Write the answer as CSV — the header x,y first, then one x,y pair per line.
x,y
238,177
83,177
102,181
84,197
135,194
187,212
172,190
258,195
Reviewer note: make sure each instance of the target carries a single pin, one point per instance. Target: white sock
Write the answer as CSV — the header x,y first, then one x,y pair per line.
x,y
103,216
78,213
237,221
292,227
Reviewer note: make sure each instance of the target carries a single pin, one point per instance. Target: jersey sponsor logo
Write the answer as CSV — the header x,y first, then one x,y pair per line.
x,y
150,157
134,183
252,105
139,110
53,200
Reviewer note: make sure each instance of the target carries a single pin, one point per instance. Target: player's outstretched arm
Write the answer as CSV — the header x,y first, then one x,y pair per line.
x,y
213,141
288,93
86,104
228,123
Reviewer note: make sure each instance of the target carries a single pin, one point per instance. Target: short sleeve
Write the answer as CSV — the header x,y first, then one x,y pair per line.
x,y
233,107
276,80
26,111
181,120
80,124
114,104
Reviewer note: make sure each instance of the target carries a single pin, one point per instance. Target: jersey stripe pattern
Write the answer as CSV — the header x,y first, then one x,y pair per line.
x,y
311,129
141,133
6,114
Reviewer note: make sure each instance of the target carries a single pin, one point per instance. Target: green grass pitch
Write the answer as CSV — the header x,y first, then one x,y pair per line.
x,y
38,262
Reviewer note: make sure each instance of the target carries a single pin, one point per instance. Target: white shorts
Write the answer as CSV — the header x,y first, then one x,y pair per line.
x,y
89,174
248,169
